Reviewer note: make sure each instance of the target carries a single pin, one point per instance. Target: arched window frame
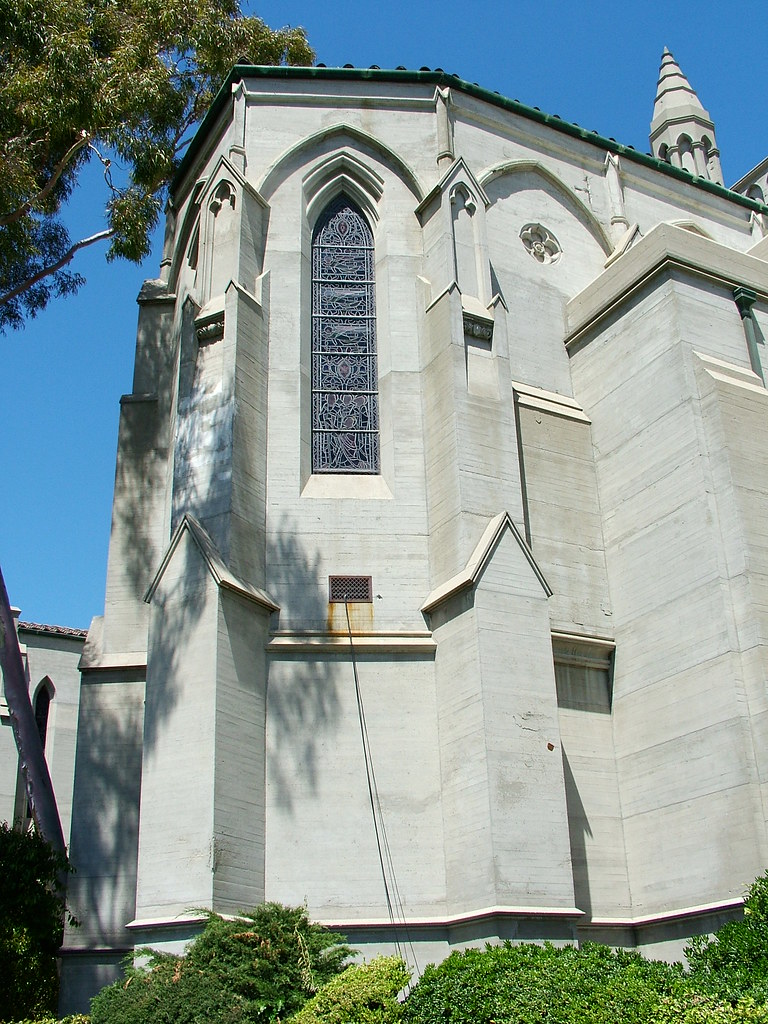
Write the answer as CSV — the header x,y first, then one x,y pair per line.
x,y
42,707
344,369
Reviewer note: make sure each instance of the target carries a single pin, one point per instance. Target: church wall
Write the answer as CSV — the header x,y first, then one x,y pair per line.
x,y
674,719
650,200
565,520
461,720
321,840
138,513
249,441
50,660
644,196
404,120
598,854
332,522
9,760
179,742
535,292
531,863
239,812
103,846
735,411
533,786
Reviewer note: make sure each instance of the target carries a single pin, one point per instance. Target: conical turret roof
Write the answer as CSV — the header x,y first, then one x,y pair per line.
x,y
676,100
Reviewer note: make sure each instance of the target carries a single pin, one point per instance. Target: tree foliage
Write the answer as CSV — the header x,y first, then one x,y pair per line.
x,y
528,984
363,994
733,963
259,968
31,923
124,82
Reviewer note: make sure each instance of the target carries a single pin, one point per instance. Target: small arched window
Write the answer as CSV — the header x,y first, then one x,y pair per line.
x,y
42,709
345,414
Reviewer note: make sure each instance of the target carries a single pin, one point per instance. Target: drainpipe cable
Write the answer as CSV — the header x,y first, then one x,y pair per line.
x,y
382,843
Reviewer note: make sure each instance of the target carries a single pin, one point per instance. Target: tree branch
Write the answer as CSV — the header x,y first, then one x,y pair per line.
x,y
100,236
58,170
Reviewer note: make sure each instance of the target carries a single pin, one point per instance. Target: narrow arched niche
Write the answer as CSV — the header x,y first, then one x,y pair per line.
x,y
685,152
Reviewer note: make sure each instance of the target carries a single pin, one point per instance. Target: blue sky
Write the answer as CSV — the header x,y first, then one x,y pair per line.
x,y
595,63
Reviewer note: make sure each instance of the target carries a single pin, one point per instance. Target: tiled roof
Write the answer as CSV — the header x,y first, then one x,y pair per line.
x,y
45,630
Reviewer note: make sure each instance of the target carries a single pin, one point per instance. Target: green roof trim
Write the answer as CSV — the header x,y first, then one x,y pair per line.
x,y
441,78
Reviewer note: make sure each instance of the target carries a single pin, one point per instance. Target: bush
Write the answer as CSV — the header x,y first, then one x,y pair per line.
x,y
32,910
75,1018
733,964
363,994
697,1008
527,984
259,968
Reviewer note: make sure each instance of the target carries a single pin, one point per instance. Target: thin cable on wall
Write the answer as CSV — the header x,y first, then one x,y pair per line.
x,y
391,889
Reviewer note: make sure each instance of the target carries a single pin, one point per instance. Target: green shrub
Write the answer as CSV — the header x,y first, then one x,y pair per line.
x,y
259,968
527,984
733,964
31,924
363,994
698,1008
75,1018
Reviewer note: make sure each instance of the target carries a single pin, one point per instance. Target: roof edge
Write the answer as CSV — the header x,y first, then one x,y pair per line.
x,y
43,629
241,71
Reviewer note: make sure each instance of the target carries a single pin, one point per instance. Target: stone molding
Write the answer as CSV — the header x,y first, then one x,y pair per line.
x,y
729,373
450,920
549,401
643,920
301,642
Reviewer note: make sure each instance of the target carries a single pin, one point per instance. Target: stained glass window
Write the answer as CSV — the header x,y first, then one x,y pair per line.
x,y
345,414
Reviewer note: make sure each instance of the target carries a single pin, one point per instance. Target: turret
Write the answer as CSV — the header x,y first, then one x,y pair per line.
x,y
682,132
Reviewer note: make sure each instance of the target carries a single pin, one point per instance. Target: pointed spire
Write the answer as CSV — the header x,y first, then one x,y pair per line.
x,y
682,132
674,92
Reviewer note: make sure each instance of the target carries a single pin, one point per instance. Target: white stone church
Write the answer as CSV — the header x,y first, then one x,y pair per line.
x,y
448,421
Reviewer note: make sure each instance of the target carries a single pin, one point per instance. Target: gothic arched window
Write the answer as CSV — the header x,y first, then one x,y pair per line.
x,y
42,709
345,414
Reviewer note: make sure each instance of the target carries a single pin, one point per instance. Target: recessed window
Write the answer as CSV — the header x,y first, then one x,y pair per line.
x,y
345,414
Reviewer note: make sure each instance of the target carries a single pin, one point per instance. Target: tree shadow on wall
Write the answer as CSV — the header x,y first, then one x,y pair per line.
x,y
107,790
303,703
145,446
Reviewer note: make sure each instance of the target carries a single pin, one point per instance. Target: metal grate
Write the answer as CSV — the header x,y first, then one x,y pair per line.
x,y
350,589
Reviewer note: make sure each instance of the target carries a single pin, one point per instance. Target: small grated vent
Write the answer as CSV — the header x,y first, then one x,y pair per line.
x,y
350,589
